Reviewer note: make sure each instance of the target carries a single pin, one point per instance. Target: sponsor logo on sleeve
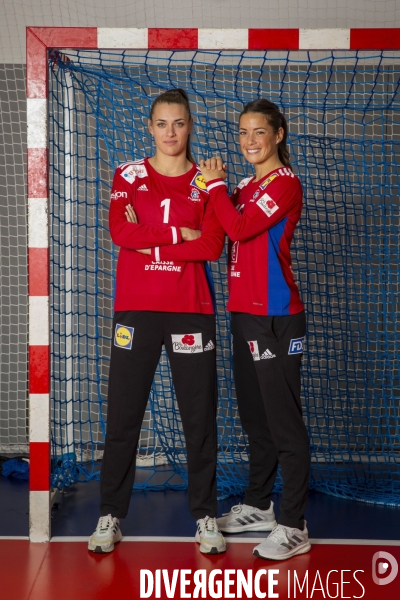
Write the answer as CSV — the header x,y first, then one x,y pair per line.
x,y
116,195
123,336
267,205
268,181
132,171
189,343
199,182
296,346
254,350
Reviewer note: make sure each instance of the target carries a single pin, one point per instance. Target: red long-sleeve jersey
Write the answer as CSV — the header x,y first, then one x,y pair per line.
x,y
260,219
173,278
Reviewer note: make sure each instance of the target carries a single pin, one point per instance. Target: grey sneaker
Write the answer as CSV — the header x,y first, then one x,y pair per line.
x,y
209,536
246,518
283,542
106,535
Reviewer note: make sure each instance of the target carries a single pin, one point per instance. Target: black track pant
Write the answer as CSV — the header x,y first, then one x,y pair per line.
x,y
267,380
131,374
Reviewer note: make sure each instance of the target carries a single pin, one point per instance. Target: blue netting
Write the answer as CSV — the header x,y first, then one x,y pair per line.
x,y
343,112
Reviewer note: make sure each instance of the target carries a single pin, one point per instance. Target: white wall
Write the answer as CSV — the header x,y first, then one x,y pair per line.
x,y
15,15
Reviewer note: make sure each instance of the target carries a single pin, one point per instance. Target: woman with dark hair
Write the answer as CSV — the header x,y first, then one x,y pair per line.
x,y
161,218
268,329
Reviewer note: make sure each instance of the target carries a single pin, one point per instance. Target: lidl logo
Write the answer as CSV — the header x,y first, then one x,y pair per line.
x,y
199,182
123,336
268,181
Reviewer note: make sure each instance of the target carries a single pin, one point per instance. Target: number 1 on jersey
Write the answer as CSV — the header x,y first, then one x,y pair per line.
x,y
166,203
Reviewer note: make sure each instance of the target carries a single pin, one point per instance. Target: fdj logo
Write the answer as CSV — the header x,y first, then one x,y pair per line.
x,y
380,566
123,336
296,346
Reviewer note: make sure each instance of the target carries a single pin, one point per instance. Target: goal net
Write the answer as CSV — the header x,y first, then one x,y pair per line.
x,y
343,111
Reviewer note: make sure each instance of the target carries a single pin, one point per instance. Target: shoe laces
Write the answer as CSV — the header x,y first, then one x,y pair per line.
x,y
105,522
210,525
235,509
279,533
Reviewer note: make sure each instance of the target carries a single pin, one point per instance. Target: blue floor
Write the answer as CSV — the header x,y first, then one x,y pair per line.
x,y
14,507
167,514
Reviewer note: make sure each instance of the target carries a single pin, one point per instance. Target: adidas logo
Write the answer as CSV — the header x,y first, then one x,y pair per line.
x,y
209,346
267,354
292,542
143,188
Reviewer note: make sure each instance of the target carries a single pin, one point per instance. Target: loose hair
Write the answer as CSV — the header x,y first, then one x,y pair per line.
x,y
274,118
175,96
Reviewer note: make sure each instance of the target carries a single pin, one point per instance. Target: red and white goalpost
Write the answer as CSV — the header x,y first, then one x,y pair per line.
x,y
39,41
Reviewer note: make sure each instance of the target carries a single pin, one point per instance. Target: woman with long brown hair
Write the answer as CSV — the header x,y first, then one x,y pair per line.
x,y
268,329
161,218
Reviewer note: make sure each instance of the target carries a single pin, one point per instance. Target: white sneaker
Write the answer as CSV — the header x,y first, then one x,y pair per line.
x,y
209,536
106,535
283,542
246,518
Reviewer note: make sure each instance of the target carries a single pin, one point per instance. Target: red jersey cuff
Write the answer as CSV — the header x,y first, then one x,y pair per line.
x,y
176,235
155,254
214,183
